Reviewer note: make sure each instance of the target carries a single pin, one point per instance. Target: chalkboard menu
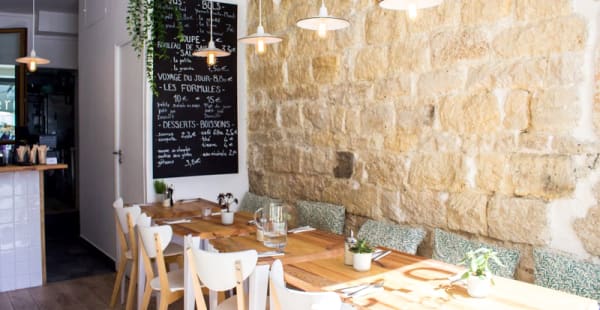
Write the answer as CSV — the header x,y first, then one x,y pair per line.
x,y
195,110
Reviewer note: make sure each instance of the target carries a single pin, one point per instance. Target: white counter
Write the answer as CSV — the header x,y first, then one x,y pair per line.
x,y
22,249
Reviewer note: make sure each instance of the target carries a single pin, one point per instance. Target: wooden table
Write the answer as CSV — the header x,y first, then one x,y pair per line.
x,y
412,282
195,233
301,247
180,209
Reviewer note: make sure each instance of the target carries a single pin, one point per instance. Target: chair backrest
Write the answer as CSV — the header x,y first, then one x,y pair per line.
x,y
567,274
165,233
118,203
283,298
251,202
122,214
323,216
399,237
217,271
451,248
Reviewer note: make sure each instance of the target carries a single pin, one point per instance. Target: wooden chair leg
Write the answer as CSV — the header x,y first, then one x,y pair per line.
x,y
120,275
164,303
147,295
132,287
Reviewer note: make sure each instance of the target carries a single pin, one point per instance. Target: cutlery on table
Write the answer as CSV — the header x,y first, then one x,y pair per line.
x,y
301,229
353,288
179,221
380,255
364,290
270,254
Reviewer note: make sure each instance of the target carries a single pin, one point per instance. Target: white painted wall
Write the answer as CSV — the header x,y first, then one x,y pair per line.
x,y
61,50
101,28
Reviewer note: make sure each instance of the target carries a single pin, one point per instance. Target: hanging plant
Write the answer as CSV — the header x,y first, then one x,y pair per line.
x,y
147,25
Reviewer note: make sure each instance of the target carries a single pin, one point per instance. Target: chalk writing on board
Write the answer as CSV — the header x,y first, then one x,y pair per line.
x,y
195,112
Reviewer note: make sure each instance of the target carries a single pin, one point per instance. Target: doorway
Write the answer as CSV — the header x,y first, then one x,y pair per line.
x,y
51,111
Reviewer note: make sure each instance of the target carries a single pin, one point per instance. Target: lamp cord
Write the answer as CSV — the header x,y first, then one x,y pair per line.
x,y
260,13
33,30
211,20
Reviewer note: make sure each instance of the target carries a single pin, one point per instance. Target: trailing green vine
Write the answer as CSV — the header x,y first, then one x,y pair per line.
x,y
147,25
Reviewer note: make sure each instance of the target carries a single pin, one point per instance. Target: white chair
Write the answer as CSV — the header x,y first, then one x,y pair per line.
x,y
125,219
169,284
221,272
283,298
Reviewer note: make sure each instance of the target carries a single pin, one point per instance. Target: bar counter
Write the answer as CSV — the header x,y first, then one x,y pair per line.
x,y
22,238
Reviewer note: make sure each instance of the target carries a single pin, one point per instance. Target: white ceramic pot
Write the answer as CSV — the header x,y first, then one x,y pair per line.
x,y
479,287
227,218
159,197
362,261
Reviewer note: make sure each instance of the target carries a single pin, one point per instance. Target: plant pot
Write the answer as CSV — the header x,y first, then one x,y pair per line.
x,y
227,217
166,203
362,261
159,197
479,287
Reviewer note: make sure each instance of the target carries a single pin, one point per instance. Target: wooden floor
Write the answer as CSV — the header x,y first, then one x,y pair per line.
x,y
91,293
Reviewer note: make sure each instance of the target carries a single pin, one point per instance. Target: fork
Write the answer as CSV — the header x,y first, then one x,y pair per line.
x,y
378,284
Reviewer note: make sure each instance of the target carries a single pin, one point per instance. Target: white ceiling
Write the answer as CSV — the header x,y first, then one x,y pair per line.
x,y
24,6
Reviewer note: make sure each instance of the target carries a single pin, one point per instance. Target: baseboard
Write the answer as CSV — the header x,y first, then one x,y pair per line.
x,y
97,248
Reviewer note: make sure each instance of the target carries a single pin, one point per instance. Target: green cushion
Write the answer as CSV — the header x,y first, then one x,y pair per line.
x,y
251,202
567,274
323,216
451,248
399,237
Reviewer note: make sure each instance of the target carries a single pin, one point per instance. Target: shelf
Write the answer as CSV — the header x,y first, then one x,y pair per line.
x,y
13,168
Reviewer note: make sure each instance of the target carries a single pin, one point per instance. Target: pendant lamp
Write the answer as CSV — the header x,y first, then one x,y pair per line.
x,y
211,52
323,22
32,61
411,6
260,38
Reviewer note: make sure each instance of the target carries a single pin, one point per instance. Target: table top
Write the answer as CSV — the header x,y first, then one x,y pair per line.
x,y
211,227
412,282
301,247
205,228
181,209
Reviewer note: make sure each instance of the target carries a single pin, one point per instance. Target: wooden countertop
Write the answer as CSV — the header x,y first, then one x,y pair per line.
x,y
13,168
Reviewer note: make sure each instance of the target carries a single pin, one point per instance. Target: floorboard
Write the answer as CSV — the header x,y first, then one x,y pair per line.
x,y
21,299
5,302
89,293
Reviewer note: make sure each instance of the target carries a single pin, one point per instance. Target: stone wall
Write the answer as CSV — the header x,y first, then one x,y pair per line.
x,y
473,118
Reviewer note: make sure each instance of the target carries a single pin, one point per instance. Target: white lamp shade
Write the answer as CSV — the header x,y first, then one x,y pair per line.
x,y
210,49
331,23
37,60
405,4
255,37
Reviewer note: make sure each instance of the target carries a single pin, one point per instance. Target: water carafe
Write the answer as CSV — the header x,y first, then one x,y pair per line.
x,y
272,221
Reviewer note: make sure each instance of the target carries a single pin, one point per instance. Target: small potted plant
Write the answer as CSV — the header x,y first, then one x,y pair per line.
x,y
226,201
478,274
363,253
160,187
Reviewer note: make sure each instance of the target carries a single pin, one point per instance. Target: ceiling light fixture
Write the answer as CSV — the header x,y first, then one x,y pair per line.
x,y
211,52
261,38
323,22
410,6
32,61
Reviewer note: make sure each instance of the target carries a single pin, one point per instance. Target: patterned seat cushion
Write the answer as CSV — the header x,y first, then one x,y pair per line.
x,y
567,274
323,216
399,237
251,202
451,248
